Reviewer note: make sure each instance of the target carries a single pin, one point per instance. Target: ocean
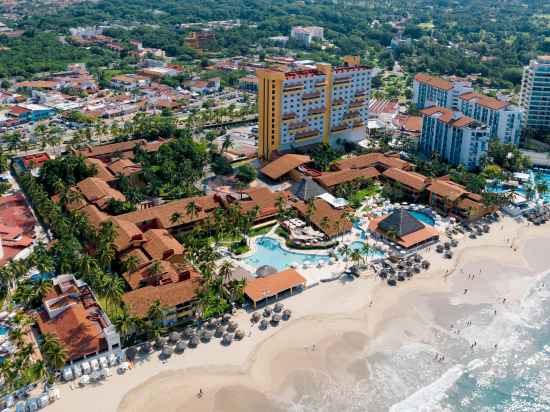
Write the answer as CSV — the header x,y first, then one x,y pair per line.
x,y
507,369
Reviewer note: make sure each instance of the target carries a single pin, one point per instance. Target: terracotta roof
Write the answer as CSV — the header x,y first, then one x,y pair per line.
x,y
322,210
413,124
263,198
124,167
485,101
162,214
260,288
97,191
143,259
38,84
112,148
371,159
401,222
466,204
331,179
94,215
161,245
407,240
451,117
169,294
103,172
434,81
411,179
446,189
283,165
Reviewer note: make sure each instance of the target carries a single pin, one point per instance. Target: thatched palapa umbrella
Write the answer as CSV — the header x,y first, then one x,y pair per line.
x,y
145,348
193,341
267,312
425,264
219,331
275,319
181,346
160,342
131,354
263,324
239,334
265,270
232,326
174,337
227,339
167,351
188,332
278,307
286,314
255,317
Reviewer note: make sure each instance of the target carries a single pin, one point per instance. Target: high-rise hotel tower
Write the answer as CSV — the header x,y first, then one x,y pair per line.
x,y
324,104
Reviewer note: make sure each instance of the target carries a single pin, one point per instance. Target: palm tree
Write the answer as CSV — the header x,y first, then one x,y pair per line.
x,y
345,251
124,322
131,264
52,350
366,250
226,271
43,287
310,211
175,217
356,256
280,203
113,289
191,209
324,224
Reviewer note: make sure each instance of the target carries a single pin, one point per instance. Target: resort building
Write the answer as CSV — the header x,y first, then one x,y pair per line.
x,y
272,286
330,220
121,150
97,192
72,313
410,183
379,161
286,166
535,93
306,35
330,181
248,83
404,229
321,105
456,138
500,116
453,199
431,90
259,200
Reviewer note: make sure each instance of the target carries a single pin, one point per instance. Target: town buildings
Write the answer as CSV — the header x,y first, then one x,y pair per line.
x,y
535,93
324,104
306,35
456,138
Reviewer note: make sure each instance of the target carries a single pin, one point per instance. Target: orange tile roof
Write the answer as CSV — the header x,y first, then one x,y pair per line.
x,y
409,240
260,288
322,210
262,198
414,180
485,101
330,179
108,149
162,214
103,172
124,167
38,84
413,124
284,164
446,189
446,116
434,81
97,191
161,245
371,159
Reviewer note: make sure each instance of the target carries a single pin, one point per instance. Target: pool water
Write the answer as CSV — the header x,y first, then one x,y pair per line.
x,y
543,175
423,217
269,252
3,330
358,245
37,277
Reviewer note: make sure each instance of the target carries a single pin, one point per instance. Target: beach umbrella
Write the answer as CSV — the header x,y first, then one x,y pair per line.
x,y
425,264
401,276
188,332
226,318
174,337
219,331
449,254
206,336
239,334
416,268
131,353
227,339
146,347
267,312
278,307
255,317
275,319
232,326
193,341
265,270
392,281
180,346
160,342
409,273
417,258
439,248
263,324
454,243
286,314
447,245
167,351
383,274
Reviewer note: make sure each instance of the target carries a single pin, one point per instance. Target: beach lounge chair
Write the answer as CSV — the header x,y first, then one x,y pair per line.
x,y
94,364
68,374
32,405
44,401
20,406
86,369
103,362
113,360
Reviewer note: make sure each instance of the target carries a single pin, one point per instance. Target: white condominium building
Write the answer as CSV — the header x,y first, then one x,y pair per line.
x,y
431,90
458,139
503,118
535,93
322,105
305,35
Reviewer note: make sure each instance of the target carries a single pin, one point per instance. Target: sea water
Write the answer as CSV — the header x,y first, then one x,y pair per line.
x,y
507,370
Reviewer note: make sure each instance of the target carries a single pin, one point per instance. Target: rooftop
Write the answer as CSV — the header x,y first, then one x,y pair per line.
x,y
451,117
485,101
331,179
284,164
336,222
434,81
260,288
372,159
411,179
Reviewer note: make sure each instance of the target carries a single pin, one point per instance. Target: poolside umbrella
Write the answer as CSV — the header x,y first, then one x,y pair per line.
x,y
286,314
232,326
131,353
180,346
383,274
447,245
167,351
409,263
174,337
267,312
160,342
263,324
416,268
275,319
255,317
439,248
265,270
193,341
227,339
278,307
219,331
146,347
239,334
206,336
226,318
425,264
417,258
188,332
486,228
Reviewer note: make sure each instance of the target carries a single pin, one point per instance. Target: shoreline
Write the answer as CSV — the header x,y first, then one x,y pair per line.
x,y
271,367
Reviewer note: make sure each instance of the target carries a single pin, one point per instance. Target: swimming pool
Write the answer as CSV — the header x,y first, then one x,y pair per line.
x,y
3,330
358,245
543,176
269,252
423,217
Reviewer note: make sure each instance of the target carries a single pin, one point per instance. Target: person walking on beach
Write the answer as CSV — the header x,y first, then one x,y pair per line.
x,y
200,393
465,291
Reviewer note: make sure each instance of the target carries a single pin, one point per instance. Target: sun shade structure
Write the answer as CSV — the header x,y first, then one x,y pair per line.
x,y
273,285
401,223
307,189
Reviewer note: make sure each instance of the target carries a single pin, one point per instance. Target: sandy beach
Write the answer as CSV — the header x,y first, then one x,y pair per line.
x,y
341,338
